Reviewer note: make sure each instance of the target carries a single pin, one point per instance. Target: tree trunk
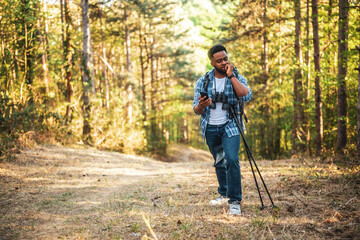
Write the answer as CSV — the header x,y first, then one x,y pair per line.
x,y
269,143
277,141
130,98
127,44
104,70
298,115
266,143
129,89
68,60
306,122
44,43
92,66
86,73
358,106
342,71
318,99
28,18
152,88
280,46
277,138
142,84
62,22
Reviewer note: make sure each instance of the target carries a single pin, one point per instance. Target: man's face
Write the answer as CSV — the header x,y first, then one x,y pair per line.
x,y
219,61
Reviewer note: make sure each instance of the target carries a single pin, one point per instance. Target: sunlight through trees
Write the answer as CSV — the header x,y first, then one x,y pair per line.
x,y
120,75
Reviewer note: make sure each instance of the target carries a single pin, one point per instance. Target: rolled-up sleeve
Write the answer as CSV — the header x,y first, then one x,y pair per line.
x,y
248,96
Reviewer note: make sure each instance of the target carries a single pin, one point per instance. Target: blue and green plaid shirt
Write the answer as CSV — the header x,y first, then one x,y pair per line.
x,y
231,129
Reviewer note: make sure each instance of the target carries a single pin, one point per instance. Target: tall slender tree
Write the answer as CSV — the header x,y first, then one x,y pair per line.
x,y
27,47
68,61
358,104
266,140
153,127
318,99
342,71
278,135
127,41
307,80
45,43
298,112
91,64
62,22
86,79
129,84
142,45
104,67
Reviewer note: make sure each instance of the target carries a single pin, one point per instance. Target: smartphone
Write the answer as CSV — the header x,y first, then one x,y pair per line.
x,y
204,94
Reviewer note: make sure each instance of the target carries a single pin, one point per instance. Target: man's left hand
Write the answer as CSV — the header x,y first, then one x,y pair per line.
x,y
229,69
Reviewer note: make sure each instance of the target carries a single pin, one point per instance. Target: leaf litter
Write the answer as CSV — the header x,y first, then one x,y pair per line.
x,y
56,192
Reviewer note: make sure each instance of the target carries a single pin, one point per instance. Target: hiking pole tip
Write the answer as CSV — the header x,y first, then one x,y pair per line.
x,y
275,211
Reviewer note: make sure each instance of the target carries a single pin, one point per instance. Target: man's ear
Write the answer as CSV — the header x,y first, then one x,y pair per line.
x,y
212,63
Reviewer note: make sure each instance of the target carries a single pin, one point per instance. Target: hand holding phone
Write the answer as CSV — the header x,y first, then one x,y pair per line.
x,y
204,101
204,94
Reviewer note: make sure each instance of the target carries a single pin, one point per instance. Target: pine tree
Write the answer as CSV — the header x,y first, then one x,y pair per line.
x,y
342,71
298,111
318,99
86,79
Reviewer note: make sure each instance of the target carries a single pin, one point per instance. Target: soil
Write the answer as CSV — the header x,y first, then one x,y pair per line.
x,y
57,192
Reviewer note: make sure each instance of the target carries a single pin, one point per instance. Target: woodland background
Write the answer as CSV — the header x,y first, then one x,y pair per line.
x,y
120,75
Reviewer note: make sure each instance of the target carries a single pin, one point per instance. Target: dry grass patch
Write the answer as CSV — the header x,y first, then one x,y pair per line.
x,y
53,192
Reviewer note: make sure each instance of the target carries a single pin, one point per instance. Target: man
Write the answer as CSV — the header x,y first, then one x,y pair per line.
x,y
223,85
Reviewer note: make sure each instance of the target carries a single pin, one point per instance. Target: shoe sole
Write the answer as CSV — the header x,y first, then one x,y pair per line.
x,y
235,214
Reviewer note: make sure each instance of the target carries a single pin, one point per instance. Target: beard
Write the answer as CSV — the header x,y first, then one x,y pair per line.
x,y
220,70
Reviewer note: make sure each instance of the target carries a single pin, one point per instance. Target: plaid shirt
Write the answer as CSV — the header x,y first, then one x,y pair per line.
x,y
231,128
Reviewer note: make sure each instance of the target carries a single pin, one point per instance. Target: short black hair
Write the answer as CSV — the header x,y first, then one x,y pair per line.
x,y
214,49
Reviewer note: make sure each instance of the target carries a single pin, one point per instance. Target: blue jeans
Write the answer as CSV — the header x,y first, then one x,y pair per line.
x,y
225,152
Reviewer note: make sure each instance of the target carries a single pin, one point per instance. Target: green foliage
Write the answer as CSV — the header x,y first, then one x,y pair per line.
x,y
150,106
18,119
244,40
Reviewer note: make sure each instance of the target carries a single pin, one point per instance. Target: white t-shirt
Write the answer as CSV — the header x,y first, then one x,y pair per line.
x,y
217,115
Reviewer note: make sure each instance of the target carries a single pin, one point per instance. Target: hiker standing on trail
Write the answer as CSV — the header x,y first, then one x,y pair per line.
x,y
214,92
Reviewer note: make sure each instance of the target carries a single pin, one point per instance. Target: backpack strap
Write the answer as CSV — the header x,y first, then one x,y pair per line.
x,y
240,101
206,81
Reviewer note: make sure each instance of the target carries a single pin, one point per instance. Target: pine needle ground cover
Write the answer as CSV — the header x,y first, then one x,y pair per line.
x,y
53,192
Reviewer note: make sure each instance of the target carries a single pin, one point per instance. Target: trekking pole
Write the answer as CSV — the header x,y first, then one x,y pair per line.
x,y
267,191
251,158
256,183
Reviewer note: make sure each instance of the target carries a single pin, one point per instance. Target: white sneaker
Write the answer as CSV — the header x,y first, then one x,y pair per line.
x,y
219,200
235,209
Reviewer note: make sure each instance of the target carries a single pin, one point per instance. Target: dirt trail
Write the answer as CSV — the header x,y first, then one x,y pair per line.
x,y
46,177
55,192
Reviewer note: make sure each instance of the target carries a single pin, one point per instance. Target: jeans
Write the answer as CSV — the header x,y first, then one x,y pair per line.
x,y
225,150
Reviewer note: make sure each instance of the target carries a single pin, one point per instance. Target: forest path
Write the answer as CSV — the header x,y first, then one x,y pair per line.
x,y
56,192
36,186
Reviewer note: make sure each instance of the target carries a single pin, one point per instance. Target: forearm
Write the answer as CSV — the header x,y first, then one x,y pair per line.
x,y
199,109
240,89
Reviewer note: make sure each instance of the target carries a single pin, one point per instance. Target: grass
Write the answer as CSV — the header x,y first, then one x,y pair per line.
x,y
62,193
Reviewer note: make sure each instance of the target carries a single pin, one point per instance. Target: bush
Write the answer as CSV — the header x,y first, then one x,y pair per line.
x,y
19,119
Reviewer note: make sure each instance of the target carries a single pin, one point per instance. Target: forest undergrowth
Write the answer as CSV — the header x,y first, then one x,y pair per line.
x,y
57,192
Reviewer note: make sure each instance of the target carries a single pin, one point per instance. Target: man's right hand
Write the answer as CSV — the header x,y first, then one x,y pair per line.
x,y
203,103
